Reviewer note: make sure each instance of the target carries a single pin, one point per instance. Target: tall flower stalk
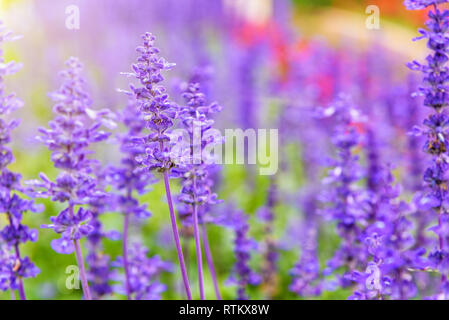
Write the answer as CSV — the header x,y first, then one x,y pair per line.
x,y
143,273
129,178
388,243
271,249
13,266
306,275
99,271
242,273
343,198
434,89
196,192
160,112
75,127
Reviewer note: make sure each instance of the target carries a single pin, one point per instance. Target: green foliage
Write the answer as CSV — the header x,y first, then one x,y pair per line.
x,y
312,3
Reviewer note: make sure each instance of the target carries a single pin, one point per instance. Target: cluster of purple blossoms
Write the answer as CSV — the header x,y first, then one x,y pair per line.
x,y
196,192
153,101
130,178
242,275
159,114
13,267
306,274
270,246
388,242
143,274
434,89
343,196
422,4
381,252
75,127
194,168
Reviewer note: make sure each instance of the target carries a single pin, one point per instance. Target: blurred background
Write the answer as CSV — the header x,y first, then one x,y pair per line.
x,y
262,60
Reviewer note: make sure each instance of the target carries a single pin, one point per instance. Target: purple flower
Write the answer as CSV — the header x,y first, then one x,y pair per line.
x,y
153,101
100,274
13,267
144,274
129,178
306,274
73,129
130,175
270,245
196,164
343,198
434,88
422,4
242,274
388,241
159,114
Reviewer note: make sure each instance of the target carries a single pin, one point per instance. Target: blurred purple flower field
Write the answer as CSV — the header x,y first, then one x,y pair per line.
x,y
224,149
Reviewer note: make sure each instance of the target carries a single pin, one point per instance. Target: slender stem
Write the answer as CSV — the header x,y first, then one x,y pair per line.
x,y
19,260
21,288
80,262
199,257
13,294
125,255
210,261
176,236
441,242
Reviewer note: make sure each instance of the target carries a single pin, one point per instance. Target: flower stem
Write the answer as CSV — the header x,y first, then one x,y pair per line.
x,y
199,257
19,259
80,262
441,242
210,262
176,236
125,255
21,288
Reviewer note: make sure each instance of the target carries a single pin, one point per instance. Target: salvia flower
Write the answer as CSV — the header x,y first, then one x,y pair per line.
x,y
343,197
422,4
196,117
270,246
388,241
242,274
14,267
129,178
196,192
434,88
144,272
306,274
75,127
153,101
